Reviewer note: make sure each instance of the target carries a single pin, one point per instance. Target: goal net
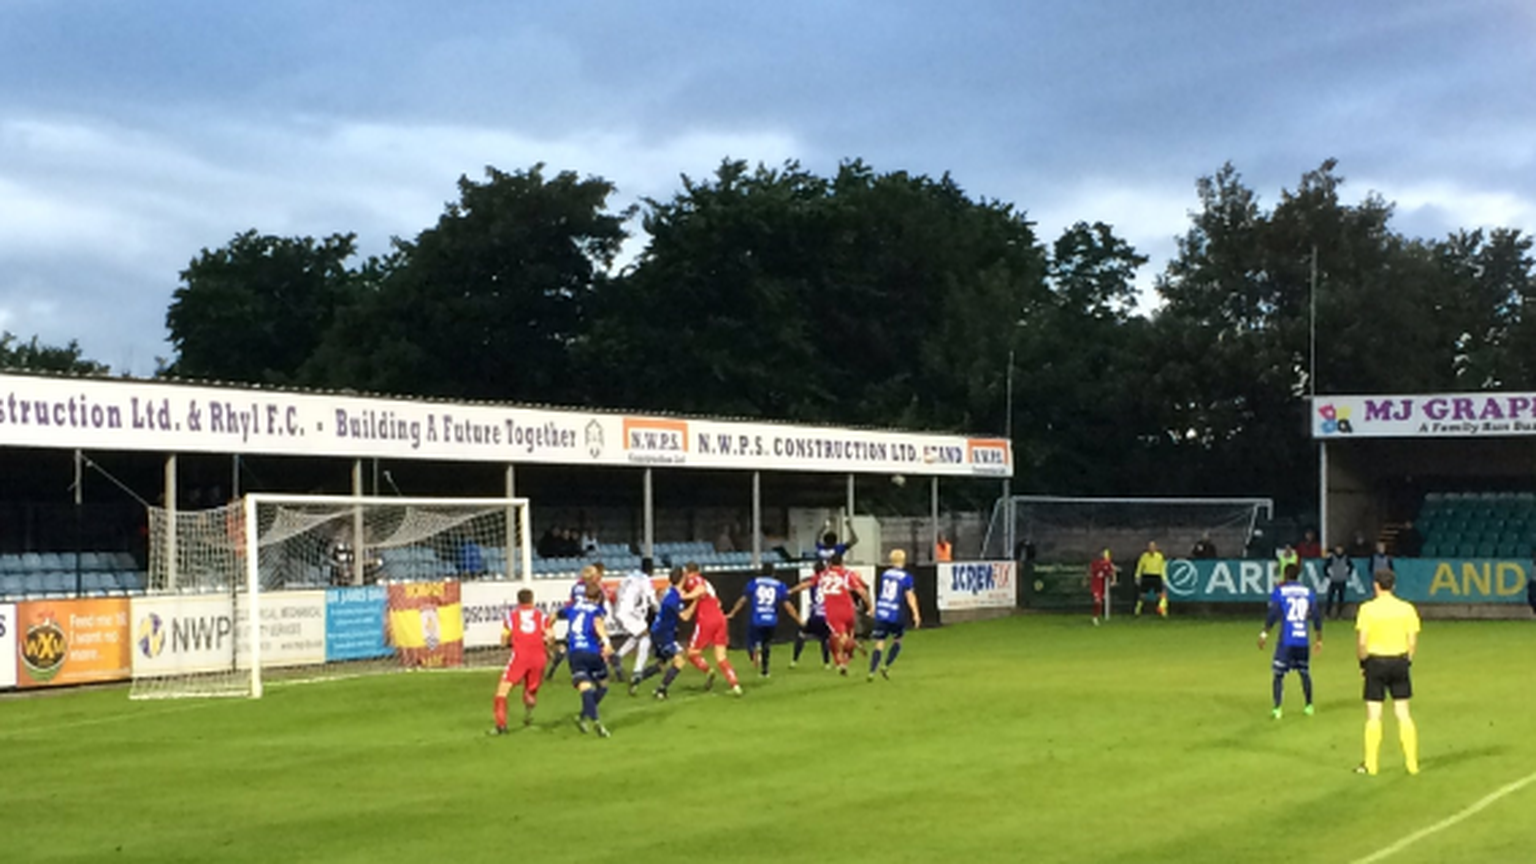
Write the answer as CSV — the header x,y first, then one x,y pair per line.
x,y
1060,535
338,585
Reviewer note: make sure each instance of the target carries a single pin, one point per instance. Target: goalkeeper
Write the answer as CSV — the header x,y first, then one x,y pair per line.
x,y
632,612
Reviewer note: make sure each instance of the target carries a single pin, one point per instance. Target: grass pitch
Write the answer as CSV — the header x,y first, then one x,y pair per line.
x,y
1036,739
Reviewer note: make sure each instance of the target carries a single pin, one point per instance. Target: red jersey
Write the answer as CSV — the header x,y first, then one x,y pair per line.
x,y
527,626
1099,574
708,610
837,589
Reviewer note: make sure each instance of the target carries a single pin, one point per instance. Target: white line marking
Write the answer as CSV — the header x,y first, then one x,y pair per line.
x,y
1448,821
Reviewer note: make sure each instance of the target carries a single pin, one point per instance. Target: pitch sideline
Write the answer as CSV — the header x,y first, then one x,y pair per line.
x,y
1448,821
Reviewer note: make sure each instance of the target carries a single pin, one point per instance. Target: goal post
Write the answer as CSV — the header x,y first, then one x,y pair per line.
x,y
1060,535
311,586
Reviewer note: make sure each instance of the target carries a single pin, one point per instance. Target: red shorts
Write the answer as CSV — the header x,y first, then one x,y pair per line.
x,y
527,672
709,632
841,621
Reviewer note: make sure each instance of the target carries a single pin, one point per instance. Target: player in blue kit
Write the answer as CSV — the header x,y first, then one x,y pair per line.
x,y
1294,606
588,650
767,595
669,614
829,545
893,589
815,624
592,574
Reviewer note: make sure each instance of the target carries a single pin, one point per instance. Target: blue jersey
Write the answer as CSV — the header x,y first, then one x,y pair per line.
x,y
818,605
766,594
584,615
825,552
664,628
891,594
1293,605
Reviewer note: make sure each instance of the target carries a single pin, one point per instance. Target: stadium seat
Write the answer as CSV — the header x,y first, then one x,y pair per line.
x,y
1486,549
11,585
131,580
123,561
1505,550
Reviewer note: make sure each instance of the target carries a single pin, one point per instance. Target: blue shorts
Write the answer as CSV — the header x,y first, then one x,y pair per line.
x,y
1292,658
588,666
759,634
666,650
888,630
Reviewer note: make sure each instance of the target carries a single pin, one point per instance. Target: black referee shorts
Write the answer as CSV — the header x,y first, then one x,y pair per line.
x,y
1385,675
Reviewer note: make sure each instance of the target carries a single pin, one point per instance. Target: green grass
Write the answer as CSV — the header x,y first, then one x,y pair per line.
x,y
1029,739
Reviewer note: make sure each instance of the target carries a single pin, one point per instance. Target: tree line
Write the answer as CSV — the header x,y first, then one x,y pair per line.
x,y
884,299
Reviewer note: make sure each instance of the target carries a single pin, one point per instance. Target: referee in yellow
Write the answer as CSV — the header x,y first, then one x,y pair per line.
x,y
1387,633
1151,570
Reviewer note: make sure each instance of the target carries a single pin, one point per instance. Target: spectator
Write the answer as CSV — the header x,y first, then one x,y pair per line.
x,y
1287,556
1204,548
1359,547
1380,560
943,550
1339,568
1259,545
549,543
1409,542
1309,547
588,541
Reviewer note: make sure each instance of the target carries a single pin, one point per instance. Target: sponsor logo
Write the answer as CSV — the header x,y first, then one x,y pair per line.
x,y
987,455
980,577
594,439
1335,419
658,441
44,648
431,628
150,635
1182,577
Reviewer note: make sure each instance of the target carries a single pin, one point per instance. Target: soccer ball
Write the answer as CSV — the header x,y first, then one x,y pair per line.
x,y
899,480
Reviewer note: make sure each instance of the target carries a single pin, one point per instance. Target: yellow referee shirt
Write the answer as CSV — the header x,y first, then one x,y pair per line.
x,y
1151,564
1387,622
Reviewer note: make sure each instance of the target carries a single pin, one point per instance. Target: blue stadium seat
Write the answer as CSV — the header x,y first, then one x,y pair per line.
x,y
131,580
123,561
11,586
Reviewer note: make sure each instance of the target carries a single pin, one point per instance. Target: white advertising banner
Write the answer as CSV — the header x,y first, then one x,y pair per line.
x,y
178,635
977,585
292,628
175,635
1445,415
8,637
117,414
485,605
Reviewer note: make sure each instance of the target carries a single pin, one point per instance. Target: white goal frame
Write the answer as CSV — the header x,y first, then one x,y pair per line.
x,y
517,538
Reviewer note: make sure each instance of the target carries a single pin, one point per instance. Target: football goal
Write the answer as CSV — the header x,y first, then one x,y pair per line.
x,y
298,586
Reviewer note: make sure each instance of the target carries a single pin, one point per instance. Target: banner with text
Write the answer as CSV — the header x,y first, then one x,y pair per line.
x,y
119,414
977,585
7,646
199,633
1419,580
72,641
1445,415
426,624
355,623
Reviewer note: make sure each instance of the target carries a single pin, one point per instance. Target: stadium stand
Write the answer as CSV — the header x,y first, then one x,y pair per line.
x,y
48,575
1465,524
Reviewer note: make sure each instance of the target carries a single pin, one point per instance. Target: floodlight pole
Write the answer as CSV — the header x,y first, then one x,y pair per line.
x,y
1008,515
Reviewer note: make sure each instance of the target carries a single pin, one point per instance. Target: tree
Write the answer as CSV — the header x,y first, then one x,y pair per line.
x,y
486,304
863,298
33,355
256,309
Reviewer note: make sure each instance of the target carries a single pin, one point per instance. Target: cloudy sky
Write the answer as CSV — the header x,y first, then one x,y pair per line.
x,y
134,134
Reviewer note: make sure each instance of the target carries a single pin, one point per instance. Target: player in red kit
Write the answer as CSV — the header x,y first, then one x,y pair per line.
x,y
838,588
528,631
1101,575
709,627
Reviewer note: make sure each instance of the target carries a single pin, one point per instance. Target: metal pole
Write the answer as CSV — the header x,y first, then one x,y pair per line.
x,y
79,514
1312,329
648,520
849,512
933,522
1322,493
171,574
1009,540
757,520
357,523
234,477
512,546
